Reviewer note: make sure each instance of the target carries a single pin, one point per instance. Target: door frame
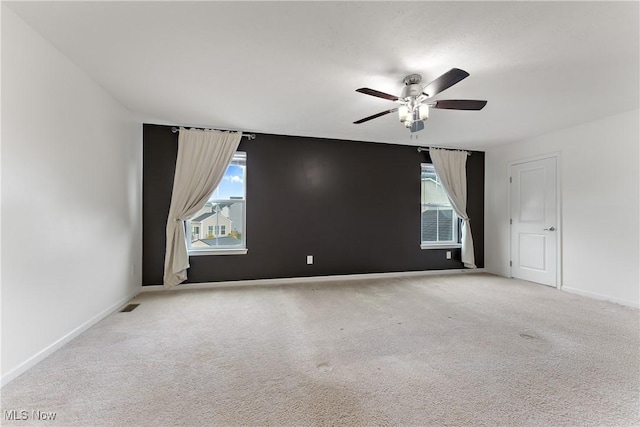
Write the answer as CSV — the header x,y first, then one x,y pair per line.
x,y
553,155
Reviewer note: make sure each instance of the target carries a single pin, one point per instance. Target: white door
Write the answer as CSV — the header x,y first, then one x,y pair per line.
x,y
534,222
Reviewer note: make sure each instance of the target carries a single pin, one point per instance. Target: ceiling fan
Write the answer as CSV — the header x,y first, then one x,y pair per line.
x,y
414,100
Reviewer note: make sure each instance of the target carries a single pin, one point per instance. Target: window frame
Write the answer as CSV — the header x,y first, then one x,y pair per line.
x,y
226,250
456,228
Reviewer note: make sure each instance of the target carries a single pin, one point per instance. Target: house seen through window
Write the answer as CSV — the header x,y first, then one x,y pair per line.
x,y
439,223
220,224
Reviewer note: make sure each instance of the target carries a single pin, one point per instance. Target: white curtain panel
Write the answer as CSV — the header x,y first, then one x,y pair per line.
x,y
451,168
203,158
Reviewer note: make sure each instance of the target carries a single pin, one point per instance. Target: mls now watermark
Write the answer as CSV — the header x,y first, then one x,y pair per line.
x,y
24,415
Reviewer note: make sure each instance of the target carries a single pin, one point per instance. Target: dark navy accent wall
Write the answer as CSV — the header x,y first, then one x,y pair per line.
x,y
354,206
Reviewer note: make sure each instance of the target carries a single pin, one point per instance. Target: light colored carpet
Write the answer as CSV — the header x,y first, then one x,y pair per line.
x,y
463,350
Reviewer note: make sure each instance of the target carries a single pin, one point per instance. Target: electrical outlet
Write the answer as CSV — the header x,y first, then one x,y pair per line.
x,y
309,259
448,254
133,269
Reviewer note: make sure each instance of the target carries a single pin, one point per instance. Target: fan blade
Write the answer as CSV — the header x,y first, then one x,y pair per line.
x,y
375,116
460,104
377,93
445,81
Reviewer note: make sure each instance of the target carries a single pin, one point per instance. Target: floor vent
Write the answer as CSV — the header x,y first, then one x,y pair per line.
x,y
129,308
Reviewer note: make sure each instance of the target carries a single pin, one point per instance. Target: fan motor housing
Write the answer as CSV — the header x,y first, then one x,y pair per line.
x,y
412,88
411,91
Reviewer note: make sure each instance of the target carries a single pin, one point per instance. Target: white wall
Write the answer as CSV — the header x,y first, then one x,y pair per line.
x,y
599,178
72,164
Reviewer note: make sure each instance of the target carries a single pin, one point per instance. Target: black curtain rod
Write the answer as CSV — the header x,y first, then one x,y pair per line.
x,y
421,149
246,135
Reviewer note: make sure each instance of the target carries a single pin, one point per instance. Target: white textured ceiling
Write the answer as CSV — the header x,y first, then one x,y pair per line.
x,y
292,67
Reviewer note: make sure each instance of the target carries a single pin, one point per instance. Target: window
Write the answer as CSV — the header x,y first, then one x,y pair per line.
x,y
223,215
439,223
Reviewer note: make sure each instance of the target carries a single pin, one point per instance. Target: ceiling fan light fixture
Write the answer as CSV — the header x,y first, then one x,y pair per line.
x,y
423,111
403,113
414,100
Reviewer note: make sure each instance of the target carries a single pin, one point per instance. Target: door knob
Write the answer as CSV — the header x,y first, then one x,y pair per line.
x,y
549,229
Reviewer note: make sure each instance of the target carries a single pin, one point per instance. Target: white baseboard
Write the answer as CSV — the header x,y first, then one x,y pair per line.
x,y
596,295
311,279
46,352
